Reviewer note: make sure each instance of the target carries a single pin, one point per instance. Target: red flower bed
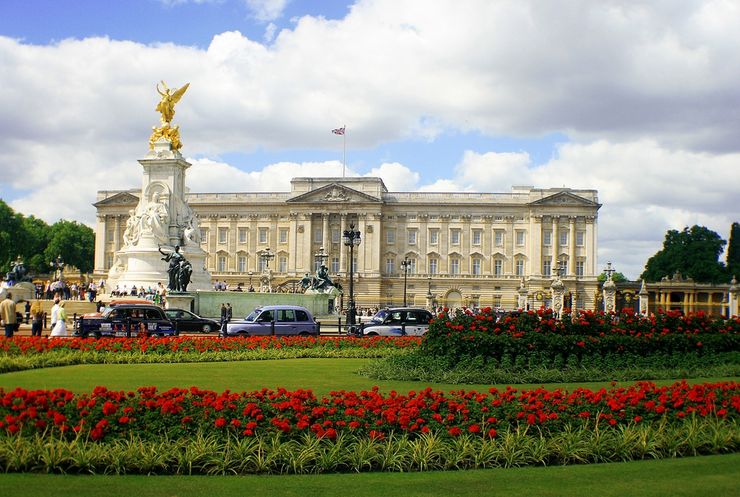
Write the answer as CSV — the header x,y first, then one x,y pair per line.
x,y
35,345
105,414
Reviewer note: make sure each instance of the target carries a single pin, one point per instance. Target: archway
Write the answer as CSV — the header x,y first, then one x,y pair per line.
x,y
453,299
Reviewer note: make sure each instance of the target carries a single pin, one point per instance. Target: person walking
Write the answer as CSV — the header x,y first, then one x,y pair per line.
x,y
223,320
229,312
8,316
54,312
37,319
60,328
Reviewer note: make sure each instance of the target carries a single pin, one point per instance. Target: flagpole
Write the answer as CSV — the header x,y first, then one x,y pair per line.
x,y
344,148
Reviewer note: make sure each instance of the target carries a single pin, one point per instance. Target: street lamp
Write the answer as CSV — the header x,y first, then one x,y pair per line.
x,y
58,266
320,257
405,264
351,239
266,257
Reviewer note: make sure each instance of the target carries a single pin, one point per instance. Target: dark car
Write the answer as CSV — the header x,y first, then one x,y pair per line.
x,y
126,320
187,321
401,321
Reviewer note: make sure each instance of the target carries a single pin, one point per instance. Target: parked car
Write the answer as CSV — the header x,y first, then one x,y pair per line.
x,y
399,321
126,320
275,319
187,321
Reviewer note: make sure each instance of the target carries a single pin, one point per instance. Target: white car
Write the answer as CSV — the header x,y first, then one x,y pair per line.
x,y
400,321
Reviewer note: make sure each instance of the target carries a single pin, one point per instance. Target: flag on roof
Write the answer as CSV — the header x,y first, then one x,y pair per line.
x,y
338,131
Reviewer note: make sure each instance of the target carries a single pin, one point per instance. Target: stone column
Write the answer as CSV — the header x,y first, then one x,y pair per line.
x,y
117,233
732,297
610,296
572,246
535,241
100,241
342,249
644,297
253,236
325,233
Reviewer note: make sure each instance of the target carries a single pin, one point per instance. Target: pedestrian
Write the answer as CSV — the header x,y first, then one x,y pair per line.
x,y
60,328
55,312
229,312
8,316
37,319
223,320
27,309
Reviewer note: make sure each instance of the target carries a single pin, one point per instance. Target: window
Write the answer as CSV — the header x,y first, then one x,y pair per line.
x,y
520,267
221,263
520,237
204,235
262,265
390,236
498,266
109,235
412,237
455,237
263,236
223,235
285,315
547,238
354,264
389,265
318,235
497,301
242,264
499,238
335,265
432,265
579,268
454,265
563,238
564,267
476,237
283,235
335,236
242,235
580,238
433,237
283,264
546,266
476,266
412,266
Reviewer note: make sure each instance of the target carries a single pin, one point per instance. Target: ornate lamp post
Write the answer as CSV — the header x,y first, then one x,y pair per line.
x,y
250,278
405,264
58,266
430,297
266,257
610,290
320,257
351,239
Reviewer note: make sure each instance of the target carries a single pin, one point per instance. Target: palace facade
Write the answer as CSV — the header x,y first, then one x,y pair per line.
x,y
462,249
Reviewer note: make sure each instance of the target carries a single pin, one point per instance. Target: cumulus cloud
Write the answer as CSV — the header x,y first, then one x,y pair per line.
x,y
645,92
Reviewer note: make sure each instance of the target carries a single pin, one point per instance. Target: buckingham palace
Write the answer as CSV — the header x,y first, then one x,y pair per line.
x,y
448,249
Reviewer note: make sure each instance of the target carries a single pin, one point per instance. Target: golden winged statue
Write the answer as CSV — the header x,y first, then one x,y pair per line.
x,y
166,106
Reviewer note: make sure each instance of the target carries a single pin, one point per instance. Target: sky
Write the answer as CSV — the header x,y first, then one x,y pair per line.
x,y
639,100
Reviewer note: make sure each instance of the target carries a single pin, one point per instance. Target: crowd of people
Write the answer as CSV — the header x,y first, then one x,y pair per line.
x,y
69,291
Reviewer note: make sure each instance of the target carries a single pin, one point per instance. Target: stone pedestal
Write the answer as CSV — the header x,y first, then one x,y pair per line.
x,y
180,301
162,218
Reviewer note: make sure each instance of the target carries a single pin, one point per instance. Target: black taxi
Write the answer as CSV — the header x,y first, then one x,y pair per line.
x,y
127,320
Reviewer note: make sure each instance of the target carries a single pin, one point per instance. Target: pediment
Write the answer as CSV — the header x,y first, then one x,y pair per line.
x,y
122,198
334,193
567,199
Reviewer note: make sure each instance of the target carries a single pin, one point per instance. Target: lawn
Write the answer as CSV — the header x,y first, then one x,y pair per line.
x,y
714,475
320,375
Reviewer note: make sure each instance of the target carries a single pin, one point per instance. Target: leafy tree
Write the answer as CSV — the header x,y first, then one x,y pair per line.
x,y
616,277
35,237
10,228
733,251
74,242
694,252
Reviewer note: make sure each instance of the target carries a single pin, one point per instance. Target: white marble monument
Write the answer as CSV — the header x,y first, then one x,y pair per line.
x,y
162,219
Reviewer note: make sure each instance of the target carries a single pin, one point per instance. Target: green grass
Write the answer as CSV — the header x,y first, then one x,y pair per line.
x,y
320,375
695,476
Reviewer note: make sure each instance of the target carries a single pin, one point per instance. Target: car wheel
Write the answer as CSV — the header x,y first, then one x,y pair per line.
x,y
372,334
207,328
304,334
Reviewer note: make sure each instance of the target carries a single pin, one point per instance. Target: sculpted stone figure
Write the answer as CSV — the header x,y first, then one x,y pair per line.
x,y
154,219
174,259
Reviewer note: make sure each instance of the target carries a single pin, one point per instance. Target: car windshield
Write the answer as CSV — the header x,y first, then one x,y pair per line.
x,y
252,316
379,316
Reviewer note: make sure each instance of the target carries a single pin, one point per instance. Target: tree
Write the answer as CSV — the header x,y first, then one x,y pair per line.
x,y
10,229
74,242
35,237
694,252
733,251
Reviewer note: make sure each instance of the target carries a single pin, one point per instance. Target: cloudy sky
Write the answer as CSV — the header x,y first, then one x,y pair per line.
x,y
637,99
